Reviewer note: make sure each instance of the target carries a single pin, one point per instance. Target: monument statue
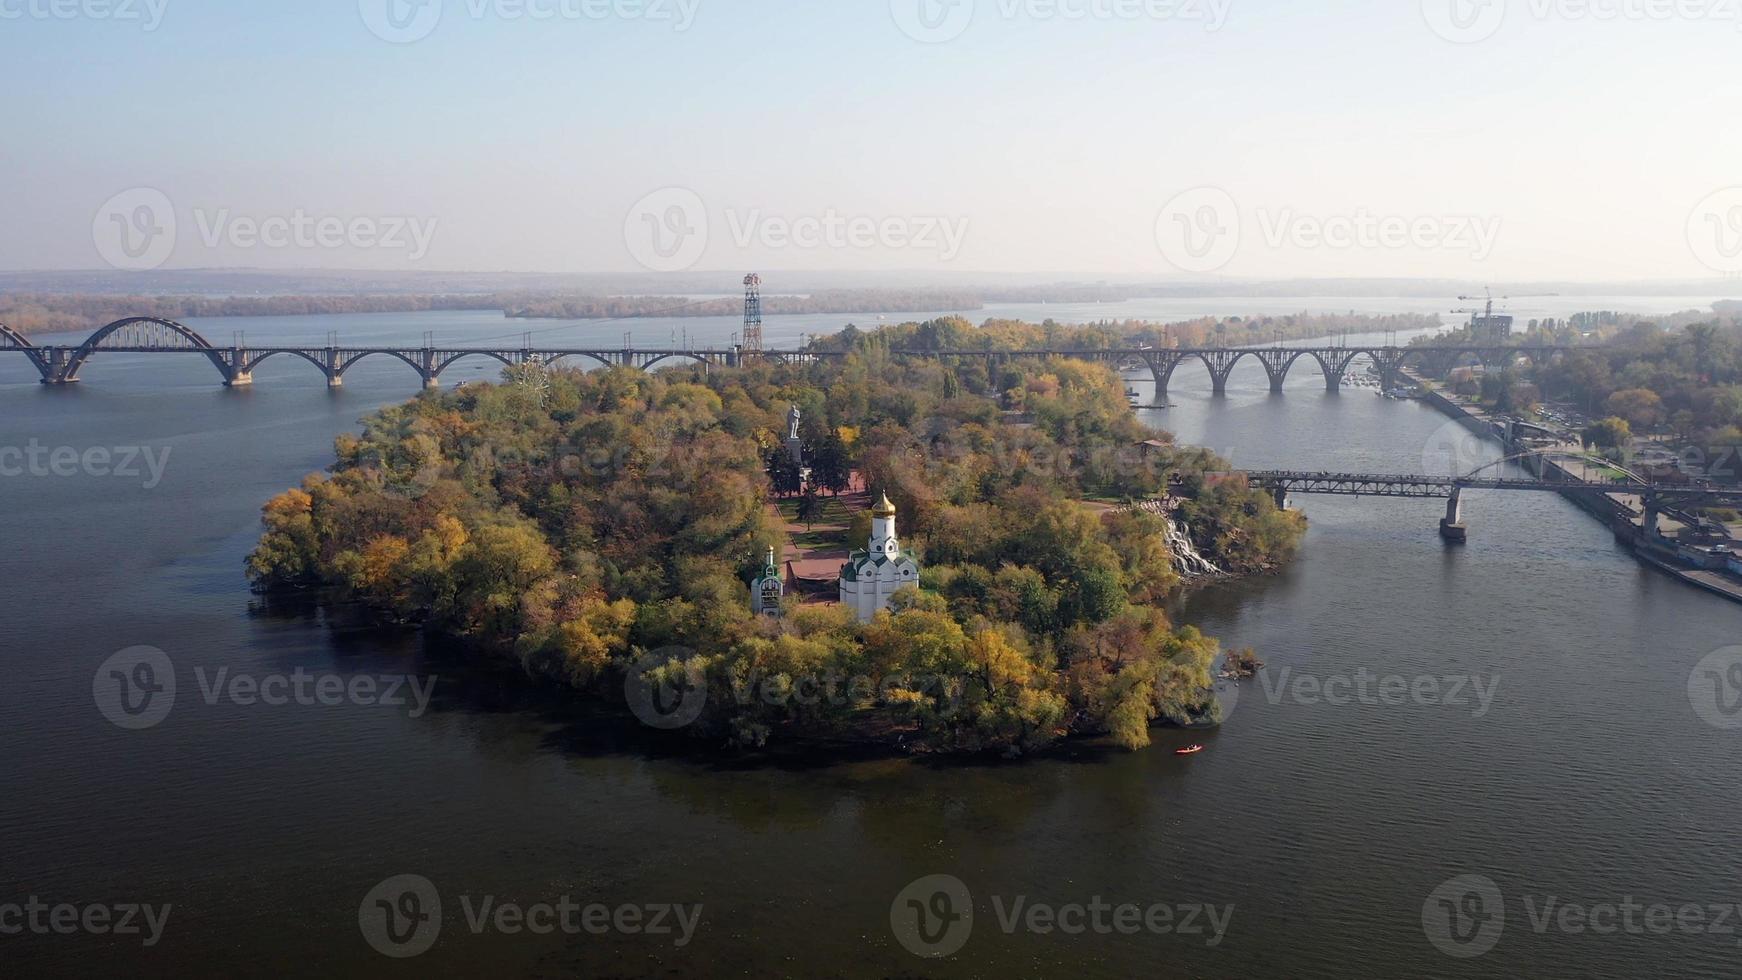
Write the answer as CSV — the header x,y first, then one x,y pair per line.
x,y
794,445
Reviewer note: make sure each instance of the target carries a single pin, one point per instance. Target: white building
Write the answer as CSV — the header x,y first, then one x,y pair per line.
x,y
768,589
871,576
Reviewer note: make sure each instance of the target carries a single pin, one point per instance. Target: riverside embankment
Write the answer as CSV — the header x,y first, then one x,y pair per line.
x,y
1622,513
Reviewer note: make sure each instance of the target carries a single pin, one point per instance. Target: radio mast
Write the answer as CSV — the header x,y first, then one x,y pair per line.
x,y
753,312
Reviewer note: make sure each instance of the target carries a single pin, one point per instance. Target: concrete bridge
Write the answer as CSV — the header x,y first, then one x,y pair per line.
x,y
236,364
1332,362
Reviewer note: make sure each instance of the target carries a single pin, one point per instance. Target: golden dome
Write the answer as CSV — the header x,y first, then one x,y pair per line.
x,y
884,508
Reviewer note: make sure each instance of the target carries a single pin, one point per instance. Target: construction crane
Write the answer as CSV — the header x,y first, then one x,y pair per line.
x,y
1484,325
1488,298
1487,310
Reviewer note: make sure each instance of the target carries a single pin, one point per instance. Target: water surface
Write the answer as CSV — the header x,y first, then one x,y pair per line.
x,y
1590,777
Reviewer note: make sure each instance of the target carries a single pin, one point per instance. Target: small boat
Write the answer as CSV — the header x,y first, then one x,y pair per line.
x,y
1189,750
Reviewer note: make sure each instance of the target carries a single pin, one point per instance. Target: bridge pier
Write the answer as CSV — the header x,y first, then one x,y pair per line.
x,y
1276,364
1390,364
1452,526
59,370
432,375
235,365
1161,367
1221,364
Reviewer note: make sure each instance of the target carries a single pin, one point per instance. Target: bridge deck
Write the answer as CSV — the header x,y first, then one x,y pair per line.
x,y
1418,486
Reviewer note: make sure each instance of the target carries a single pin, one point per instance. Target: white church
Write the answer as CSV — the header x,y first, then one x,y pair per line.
x,y
871,576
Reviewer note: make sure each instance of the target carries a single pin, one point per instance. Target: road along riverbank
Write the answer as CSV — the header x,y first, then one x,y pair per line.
x,y
1668,547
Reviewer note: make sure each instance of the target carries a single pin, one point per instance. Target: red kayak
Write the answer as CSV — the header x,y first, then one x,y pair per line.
x,y
1190,750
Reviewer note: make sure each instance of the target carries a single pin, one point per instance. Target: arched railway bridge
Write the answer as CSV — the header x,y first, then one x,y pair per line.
x,y
151,335
1333,363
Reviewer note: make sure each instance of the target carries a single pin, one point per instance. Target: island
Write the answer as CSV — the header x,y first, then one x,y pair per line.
x,y
601,528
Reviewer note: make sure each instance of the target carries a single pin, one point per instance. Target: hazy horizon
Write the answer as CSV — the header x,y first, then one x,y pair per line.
x,y
1131,139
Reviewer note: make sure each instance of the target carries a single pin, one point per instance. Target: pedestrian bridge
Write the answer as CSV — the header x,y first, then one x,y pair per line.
x,y
1654,498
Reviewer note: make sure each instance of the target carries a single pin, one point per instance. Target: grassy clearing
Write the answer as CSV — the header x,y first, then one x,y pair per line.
x,y
833,513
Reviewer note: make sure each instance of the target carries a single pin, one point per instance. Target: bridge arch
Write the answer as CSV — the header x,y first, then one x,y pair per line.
x,y
249,367
552,360
1334,363
397,355
1167,372
1165,362
148,328
1557,454
145,331
12,338
1288,365
442,366
1131,363
676,354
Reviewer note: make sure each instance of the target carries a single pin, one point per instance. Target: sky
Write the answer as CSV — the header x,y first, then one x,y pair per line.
x,y
1488,140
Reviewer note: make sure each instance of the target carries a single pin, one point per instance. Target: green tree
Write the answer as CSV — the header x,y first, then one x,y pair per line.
x,y
1641,407
831,468
810,506
783,474
1609,433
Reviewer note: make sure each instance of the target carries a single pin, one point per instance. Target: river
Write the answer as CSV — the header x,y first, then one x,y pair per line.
x,y
1583,771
